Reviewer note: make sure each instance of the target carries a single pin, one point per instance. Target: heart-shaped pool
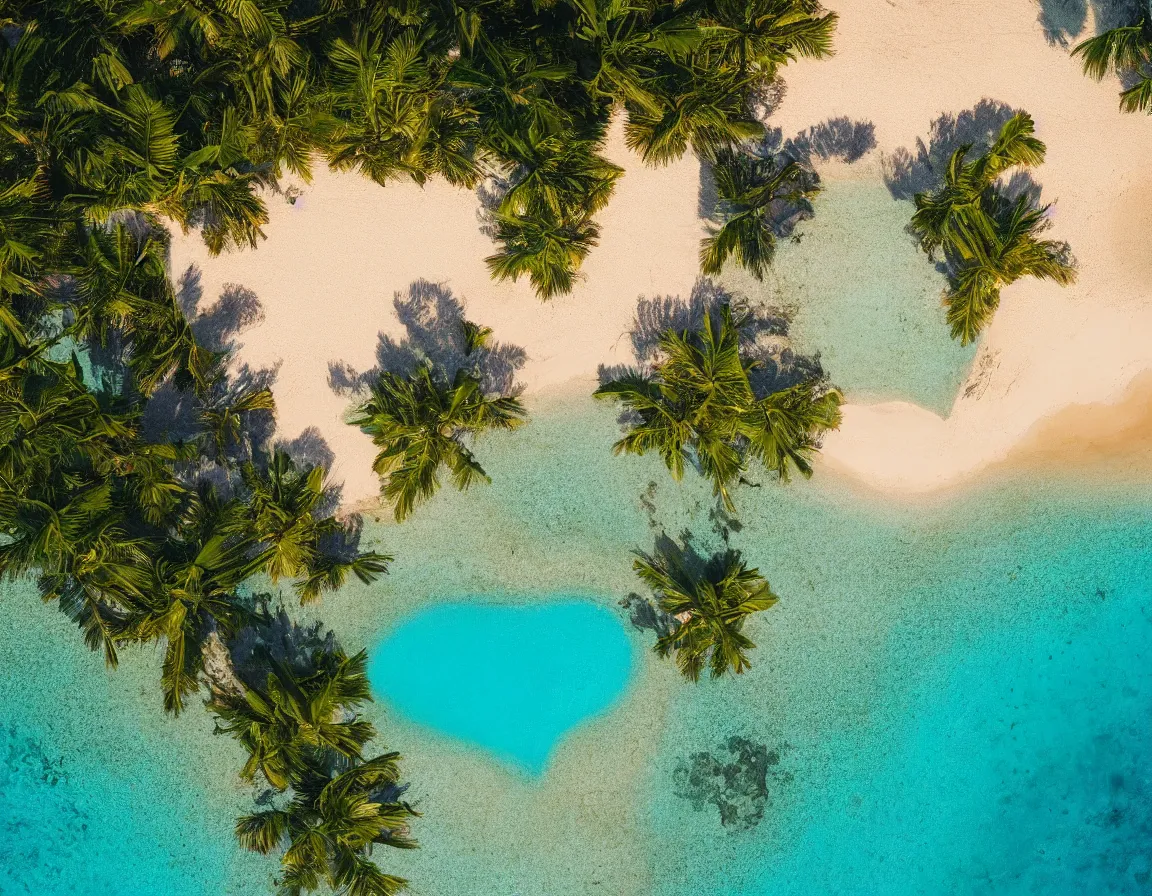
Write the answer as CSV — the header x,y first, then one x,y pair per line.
x,y
513,680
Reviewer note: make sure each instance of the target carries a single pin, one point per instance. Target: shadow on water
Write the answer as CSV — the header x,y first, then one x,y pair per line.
x,y
836,139
1064,21
434,323
763,336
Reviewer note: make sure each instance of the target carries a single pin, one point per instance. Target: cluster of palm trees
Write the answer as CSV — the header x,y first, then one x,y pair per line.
x,y
119,114
142,541
183,108
988,239
1125,51
697,405
305,738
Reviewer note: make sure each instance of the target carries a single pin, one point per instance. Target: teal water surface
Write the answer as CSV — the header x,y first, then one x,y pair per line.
x,y
510,679
866,299
952,697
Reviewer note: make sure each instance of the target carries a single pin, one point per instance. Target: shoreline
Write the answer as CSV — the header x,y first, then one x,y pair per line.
x,y
320,289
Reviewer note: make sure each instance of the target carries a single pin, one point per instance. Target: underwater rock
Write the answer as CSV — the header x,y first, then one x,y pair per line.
x,y
734,779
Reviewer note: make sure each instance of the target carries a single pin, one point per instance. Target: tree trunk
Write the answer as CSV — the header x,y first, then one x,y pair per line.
x,y
218,669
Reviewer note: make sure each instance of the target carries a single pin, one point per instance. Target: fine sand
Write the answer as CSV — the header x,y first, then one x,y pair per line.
x,y
326,278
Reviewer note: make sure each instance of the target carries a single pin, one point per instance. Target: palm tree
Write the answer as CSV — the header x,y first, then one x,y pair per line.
x,y
330,826
192,592
222,417
547,248
987,240
710,606
281,514
556,174
393,119
420,424
620,49
1014,251
122,286
702,105
1124,51
698,404
752,191
294,715
762,35
957,217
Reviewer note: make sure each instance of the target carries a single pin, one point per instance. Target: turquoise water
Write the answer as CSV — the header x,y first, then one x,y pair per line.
x,y
513,680
100,795
952,697
866,298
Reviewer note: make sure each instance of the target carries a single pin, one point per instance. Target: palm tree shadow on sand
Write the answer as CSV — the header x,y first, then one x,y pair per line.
x,y
437,334
171,413
911,171
1064,21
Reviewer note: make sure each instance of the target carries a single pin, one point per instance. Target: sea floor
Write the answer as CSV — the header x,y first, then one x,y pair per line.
x,y
953,696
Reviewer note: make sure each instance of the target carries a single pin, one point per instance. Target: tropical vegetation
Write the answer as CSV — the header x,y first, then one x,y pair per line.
x,y
186,110
1126,52
423,423
988,239
697,405
755,195
708,602
132,485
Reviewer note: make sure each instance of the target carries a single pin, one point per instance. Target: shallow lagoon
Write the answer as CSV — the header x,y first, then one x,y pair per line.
x,y
513,680
951,697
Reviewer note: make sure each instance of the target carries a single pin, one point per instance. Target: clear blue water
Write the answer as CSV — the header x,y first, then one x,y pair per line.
x,y
513,680
866,298
100,795
952,697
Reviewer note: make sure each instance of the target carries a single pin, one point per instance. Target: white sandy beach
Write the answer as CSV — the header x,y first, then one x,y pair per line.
x,y
328,271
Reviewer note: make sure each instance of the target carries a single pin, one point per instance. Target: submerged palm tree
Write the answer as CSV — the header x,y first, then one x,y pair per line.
x,y
698,404
710,605
1125,51
752,191
988,241
420,424
294,716
330,825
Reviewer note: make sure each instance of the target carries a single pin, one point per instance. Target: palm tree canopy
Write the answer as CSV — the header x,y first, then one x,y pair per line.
x,y
294,715
988,240
421,422
697,404
1125,51
330,825
752,190
710,606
